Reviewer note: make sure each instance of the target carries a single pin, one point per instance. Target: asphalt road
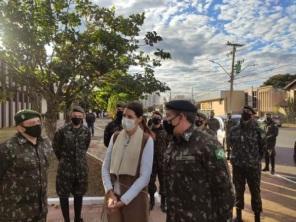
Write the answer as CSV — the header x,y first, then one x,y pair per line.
x,y
285,165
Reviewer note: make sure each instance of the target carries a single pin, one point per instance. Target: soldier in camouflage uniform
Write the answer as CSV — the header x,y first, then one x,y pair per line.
x,y
201,123
70,145
23,171
228,125
271,132
245,140
213,123
160,144
198,181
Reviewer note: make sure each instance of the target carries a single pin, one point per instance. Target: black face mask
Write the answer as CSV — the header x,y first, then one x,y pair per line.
x,y
169,128
76,121
156,121
268,119
34,131
198,123
246,116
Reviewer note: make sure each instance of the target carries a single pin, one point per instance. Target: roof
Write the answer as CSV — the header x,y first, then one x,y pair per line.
x,y
287,87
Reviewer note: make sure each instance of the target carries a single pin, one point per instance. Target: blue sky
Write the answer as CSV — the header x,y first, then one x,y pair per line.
x,y
196,31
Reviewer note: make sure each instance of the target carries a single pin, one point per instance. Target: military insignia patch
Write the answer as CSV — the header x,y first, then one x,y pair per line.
x,y
219,154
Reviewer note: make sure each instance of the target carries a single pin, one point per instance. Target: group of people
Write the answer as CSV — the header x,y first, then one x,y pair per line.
x,y
24,161
180,149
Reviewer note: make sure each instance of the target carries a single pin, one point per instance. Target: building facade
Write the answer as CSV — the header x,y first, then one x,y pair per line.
x,y
219,102
270,100
13,98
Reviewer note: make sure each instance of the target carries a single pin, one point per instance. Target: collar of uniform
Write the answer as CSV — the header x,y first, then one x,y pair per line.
x,y
188,133
22,140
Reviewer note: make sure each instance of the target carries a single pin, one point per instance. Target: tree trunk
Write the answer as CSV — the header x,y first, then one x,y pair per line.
x,y
51,118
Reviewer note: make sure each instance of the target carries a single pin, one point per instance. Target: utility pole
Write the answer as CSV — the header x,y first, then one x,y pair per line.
x,y
234,45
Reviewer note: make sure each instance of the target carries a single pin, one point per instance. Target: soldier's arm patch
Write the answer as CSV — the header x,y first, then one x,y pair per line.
x,y
219,153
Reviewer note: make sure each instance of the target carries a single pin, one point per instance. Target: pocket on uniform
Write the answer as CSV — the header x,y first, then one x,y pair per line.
x,y
25,162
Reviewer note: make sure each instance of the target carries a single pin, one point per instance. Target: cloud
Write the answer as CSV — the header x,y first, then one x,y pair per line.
x,y
196,31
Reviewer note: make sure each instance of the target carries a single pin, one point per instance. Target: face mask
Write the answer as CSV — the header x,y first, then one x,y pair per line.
x,y
268,119
156,121
169,128
76,121
198,123
34,131
246,116
128,124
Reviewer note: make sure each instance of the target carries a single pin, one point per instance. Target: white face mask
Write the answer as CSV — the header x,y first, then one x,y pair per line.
x,y
128,124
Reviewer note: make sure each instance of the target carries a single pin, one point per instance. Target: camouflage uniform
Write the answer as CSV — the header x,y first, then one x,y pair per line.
x,y
23,179
271,132
213,124
198,181
160,144
245,140
228,125
70,146
207,130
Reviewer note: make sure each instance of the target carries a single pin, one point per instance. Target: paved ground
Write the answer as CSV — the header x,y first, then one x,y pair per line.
x,y
278,191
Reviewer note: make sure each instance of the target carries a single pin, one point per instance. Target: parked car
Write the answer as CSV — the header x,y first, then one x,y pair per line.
x,y
221,134
275,118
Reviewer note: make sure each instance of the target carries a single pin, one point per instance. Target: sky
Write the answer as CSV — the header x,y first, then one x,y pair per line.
x,y
196,31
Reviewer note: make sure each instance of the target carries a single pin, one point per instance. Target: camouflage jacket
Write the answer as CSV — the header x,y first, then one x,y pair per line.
x,y
207,130
271,132
213,124
160,144
70,146
228,125
197,179
247,145
23,179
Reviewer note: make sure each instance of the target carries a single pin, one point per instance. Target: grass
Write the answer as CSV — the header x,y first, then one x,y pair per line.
x,y
6,133
95,187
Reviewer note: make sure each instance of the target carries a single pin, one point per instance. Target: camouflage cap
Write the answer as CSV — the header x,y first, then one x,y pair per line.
x,y
78,109
24,115
181,105
201,115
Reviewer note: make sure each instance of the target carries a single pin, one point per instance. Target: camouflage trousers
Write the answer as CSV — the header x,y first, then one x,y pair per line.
x,y
270,155
252,176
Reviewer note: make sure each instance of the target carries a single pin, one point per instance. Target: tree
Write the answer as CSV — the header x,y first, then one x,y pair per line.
x,y
280,80
64,49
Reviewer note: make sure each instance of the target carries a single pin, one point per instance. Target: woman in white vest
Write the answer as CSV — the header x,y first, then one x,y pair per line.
x,y
127,168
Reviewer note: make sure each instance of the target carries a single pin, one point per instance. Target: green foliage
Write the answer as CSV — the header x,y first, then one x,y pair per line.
x,y
280,80
67,49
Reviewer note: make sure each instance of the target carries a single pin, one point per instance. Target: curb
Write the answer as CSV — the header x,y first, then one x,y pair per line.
x,y
86,201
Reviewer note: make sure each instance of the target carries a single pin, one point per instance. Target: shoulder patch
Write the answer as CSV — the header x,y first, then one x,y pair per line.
x,y
219,153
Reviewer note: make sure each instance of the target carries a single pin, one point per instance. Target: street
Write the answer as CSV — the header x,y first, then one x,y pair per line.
x,y
285,165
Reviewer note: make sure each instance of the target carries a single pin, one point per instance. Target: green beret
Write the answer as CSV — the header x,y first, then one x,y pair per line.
x,y
25,114
250,108
181,105
78,109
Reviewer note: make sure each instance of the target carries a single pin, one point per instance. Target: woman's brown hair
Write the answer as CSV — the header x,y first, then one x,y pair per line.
x,y
138,109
